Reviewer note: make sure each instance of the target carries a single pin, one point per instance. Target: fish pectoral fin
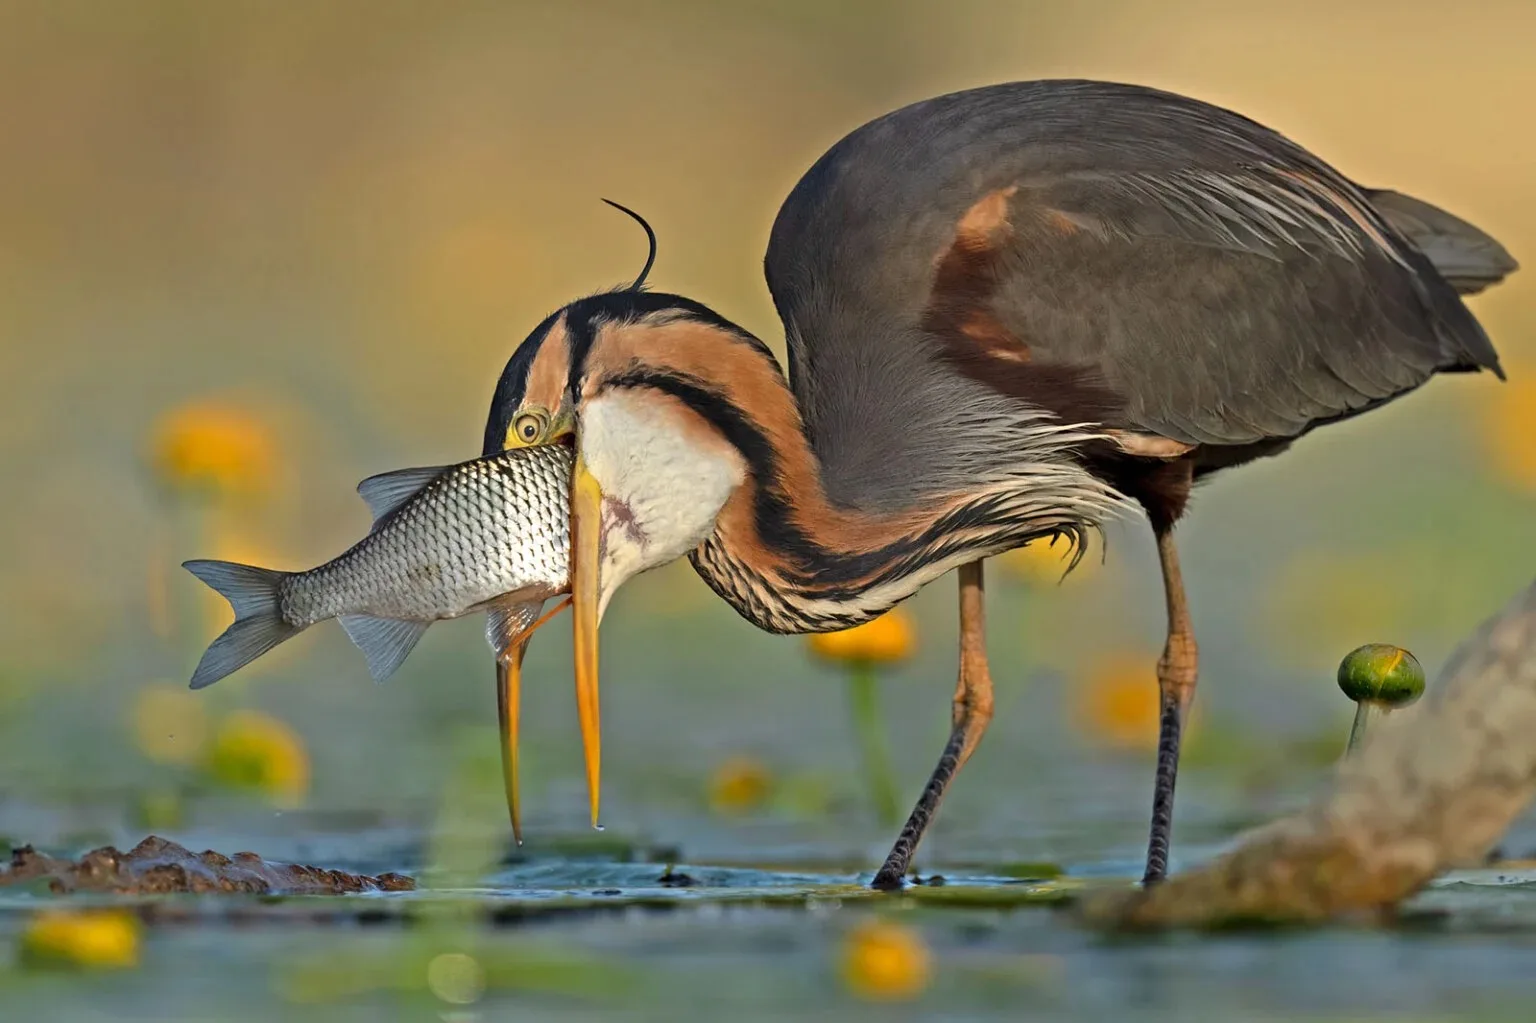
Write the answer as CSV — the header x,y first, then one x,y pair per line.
x,y
507,625
389,490
385,642
506,622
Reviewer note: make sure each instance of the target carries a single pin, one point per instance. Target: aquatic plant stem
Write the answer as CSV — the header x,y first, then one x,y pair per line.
x,y
1366,711
863,700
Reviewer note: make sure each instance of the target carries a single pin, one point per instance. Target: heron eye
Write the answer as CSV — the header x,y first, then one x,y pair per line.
x,y
528,427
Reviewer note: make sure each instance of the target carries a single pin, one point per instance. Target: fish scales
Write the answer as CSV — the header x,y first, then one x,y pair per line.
x,y
489,533
480,530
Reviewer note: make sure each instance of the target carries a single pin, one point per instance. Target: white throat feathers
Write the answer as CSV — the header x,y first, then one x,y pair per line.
x,y
664,475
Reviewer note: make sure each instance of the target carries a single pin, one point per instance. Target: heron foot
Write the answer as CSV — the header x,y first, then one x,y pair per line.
x,y
972,712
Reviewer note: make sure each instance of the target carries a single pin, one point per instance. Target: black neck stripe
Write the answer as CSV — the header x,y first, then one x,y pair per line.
x,y
810,567
771,512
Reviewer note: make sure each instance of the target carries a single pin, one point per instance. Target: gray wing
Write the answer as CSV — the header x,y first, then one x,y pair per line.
x,y
1110,253
1209,307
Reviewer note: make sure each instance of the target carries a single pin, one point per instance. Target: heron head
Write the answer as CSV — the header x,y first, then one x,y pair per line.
x,y
637,383
644,387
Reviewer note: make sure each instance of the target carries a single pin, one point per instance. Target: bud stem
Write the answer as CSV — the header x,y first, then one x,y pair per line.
x,y
1366,711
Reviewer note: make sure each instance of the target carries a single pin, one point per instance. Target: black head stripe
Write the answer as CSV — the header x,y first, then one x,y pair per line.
x,y
584,319
513,385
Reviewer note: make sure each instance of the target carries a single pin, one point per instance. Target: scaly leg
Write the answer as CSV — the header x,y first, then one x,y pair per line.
x,y
1176,673
972,710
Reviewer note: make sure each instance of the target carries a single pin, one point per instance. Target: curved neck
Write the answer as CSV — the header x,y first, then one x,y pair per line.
x,y
782,553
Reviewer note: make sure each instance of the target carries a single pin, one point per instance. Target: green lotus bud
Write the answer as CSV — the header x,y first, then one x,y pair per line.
x,y
1380,678
1382,673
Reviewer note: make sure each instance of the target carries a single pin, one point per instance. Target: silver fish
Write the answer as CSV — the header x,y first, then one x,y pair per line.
x,y
489,534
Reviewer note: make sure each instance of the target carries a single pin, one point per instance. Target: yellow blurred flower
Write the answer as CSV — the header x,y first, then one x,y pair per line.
x,y
170,724
257,751
93,938
884,640
739,786
1510,426
1043,563
215,450
1117,701
884,961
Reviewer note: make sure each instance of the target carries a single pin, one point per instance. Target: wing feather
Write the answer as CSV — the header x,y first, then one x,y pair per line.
x,y
1225,309
1162,265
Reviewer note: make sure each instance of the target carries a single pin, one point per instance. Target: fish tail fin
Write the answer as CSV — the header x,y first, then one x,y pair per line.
x,y
255,595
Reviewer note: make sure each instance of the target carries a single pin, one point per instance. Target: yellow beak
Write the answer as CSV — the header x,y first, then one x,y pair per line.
x,y
586,559
509,671
509,678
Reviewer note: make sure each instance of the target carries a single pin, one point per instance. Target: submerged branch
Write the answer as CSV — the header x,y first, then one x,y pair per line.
x,y
1432,789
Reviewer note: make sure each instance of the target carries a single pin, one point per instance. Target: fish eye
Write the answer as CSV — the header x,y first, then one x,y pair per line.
x,y
529,426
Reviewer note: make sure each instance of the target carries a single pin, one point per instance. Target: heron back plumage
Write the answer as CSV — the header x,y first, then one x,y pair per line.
x,y
1115,255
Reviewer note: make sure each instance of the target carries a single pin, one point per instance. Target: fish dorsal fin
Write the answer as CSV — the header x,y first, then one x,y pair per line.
x,y
386,642
506,622
389,490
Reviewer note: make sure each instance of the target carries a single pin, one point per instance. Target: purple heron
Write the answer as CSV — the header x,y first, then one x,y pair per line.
x,y
1010,313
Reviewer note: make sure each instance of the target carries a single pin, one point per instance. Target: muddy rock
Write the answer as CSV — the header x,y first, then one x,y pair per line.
x,y
156,866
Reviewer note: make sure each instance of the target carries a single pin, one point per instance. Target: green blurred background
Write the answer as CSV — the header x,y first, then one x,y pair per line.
x,y
294,244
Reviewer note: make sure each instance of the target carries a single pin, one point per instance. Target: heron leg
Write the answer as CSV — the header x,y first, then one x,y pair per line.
x,y
972,711
1176,673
